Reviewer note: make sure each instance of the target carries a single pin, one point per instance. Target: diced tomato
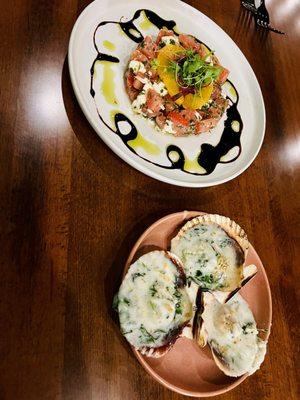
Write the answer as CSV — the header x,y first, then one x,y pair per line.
x,y
162,33
190,115
132,93
138,56
180,130
190,43
129,78
153,103
137,84
148,48
215,60
205,125
223,76
202,51
216,92
177,118
160,120
170,106
153,74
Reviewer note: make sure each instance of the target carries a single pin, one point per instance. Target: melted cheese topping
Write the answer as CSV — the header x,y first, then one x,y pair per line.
x,y
152,308
232,334
211,258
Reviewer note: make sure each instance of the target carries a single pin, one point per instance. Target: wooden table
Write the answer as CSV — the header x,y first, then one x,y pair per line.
x,y
71,210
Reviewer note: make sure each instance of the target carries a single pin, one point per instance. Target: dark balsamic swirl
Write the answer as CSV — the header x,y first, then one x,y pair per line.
x,y
209,155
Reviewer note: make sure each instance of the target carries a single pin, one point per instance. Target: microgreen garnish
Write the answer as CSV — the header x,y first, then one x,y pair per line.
x,y
190,70
154,63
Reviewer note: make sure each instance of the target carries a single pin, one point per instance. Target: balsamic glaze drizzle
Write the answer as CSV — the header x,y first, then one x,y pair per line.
x,y
209,155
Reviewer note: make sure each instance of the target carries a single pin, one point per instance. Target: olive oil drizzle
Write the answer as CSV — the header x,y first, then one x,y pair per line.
x,y
209,156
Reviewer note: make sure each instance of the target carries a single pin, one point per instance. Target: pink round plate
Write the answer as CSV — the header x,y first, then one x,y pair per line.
x,y
186,368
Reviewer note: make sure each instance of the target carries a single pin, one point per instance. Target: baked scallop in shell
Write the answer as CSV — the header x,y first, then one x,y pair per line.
x,y
153,304
231,332
213,250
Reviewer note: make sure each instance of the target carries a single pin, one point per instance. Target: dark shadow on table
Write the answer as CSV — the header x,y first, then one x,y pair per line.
x,y
245,23
75,376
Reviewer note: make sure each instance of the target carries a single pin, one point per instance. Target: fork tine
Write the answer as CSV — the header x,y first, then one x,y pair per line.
x,y
249,5
259,22
266,26
262,15
276,30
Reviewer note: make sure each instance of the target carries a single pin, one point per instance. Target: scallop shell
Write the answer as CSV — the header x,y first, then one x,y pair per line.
x,y
229,226
161,351
157,352
235,232
201,337
176,331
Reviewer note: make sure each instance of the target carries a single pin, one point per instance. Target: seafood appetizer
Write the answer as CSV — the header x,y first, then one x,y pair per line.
x,y
191,292
231,332
153,304
176,82
213,250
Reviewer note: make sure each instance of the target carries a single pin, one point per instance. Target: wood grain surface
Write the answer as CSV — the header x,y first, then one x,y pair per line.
x,y
71,211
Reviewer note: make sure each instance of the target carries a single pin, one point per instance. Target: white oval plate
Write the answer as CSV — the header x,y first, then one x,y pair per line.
x,y
104,101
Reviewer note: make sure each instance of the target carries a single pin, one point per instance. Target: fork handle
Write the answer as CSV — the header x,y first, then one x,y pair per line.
x,y
276,30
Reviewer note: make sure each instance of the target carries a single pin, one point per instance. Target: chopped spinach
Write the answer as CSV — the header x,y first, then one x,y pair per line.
x,y
160,331
153,289
225,242
201,229
178,309
246,326
125,333
177,294
206,280
146,336
153,306
126,301
137,274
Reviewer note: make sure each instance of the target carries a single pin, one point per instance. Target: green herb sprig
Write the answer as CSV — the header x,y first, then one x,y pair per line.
x,y
193,71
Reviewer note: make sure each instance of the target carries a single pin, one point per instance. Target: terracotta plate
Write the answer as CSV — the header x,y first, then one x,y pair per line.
x,y
188,369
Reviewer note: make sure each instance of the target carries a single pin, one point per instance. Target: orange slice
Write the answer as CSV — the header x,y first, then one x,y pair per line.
x,y
197,100
165,55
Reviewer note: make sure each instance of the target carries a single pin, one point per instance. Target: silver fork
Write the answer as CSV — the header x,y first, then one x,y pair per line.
x,y
261,15
249,5
262,18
